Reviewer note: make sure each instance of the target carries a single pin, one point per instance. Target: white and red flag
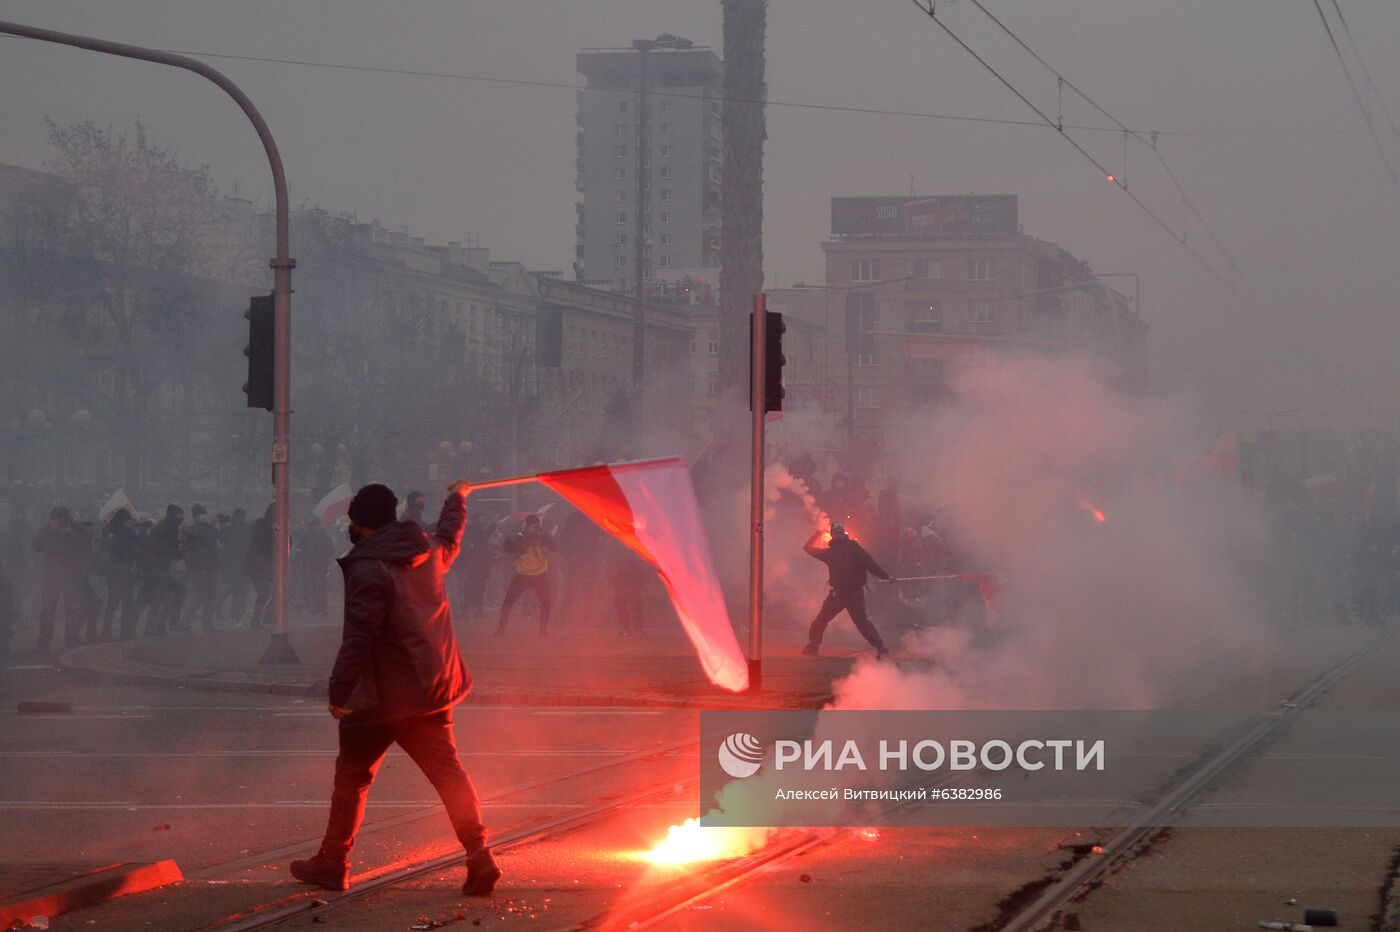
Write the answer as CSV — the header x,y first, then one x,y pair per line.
x,y
1325,486
650,506
117,500
1220,458
335,505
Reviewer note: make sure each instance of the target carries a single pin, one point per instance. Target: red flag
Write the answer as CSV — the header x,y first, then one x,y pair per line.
x,y
1324,486
651,507
1221,458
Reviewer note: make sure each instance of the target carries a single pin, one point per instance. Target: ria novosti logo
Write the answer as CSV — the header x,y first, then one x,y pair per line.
x,y
740,755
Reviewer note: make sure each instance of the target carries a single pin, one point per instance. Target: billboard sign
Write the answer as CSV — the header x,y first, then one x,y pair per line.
x,y
952,215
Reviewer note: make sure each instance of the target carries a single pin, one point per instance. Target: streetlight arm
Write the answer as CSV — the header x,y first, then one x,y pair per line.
x,y
274,158
280,650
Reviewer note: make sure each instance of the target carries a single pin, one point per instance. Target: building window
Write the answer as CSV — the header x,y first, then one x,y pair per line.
x,y
665,239
621,130
665,129
983,311
865,270
665,171
923,317
867,397
714,342
926,268
665,194
665,106
665,216
665,262
620,262
620,151
712,384
621,194
622,106
980,270
665,152
620,174
622,216
622,239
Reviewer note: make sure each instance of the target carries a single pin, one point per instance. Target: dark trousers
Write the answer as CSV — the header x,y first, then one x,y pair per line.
x,y
429,741
120,591
853,603
262,601
204,596
54,592
518,584
159,597
236,591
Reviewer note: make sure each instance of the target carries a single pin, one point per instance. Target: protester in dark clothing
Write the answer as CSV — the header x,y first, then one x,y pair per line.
x,y
628,573
314,557
474,566
85,554
396,679
119,544
202,558
235,538
257,565
530,548
62,564
159,595
9,611
14,550
847,565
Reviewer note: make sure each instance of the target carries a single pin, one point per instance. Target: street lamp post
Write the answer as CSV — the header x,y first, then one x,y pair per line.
x,y
279,650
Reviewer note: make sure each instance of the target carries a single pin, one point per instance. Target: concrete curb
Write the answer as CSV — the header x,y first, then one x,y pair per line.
x,y
169,677
101,885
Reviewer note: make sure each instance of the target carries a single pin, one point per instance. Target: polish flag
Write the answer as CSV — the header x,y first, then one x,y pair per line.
x,y
335,505
117,501
650,506
1324,486
1220,458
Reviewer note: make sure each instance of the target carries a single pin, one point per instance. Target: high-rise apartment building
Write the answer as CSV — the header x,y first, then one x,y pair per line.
x,y
679,163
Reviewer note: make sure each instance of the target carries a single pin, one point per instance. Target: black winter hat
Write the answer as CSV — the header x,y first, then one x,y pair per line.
x,y
198,510
172,511
374,506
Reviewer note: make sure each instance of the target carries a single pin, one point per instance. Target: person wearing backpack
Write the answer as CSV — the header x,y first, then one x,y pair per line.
x,y
530,547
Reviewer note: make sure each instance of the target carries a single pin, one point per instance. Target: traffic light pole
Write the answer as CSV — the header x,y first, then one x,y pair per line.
x,y
279,650
757,384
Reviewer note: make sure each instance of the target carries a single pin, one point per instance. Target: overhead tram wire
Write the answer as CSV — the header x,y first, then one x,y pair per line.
x,y
1229,286
1180,238
768,102
1066,82
1365,72
1356,95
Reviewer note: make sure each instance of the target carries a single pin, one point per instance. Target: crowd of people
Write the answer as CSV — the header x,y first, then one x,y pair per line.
x,y
131,576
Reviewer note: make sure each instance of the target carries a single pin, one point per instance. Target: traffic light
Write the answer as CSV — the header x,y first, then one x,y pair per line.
x,y
261,352
773,360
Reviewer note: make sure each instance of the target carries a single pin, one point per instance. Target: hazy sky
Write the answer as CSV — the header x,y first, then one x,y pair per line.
x,y
1256,119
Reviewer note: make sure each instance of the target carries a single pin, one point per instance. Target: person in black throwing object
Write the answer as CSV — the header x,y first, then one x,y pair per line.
x,y
396,679
847,564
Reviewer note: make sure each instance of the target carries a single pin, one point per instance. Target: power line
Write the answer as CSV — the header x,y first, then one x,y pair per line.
x,y
1066,82
1356,95
1180,238
1298,350
790,104
1365,72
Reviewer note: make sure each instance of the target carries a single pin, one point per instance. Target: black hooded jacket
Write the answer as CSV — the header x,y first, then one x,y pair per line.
x,y
847,563
398,654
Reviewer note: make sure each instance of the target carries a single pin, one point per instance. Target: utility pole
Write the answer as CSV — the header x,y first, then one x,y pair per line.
x,y
279,650
639,326
757,384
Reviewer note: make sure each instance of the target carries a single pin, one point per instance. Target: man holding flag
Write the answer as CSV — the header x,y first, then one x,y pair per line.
x,y
396,679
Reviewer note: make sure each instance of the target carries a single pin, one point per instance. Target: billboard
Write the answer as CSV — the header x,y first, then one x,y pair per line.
x,y
951,215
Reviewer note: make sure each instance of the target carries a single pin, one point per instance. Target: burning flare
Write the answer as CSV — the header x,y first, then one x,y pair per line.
x,y
690,842
1092,509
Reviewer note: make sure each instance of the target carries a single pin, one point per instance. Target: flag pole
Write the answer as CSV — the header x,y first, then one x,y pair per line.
x,y
535,477
758,402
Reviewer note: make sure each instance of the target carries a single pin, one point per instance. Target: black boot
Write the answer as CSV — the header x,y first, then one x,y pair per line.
x,y
482,873
323,872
